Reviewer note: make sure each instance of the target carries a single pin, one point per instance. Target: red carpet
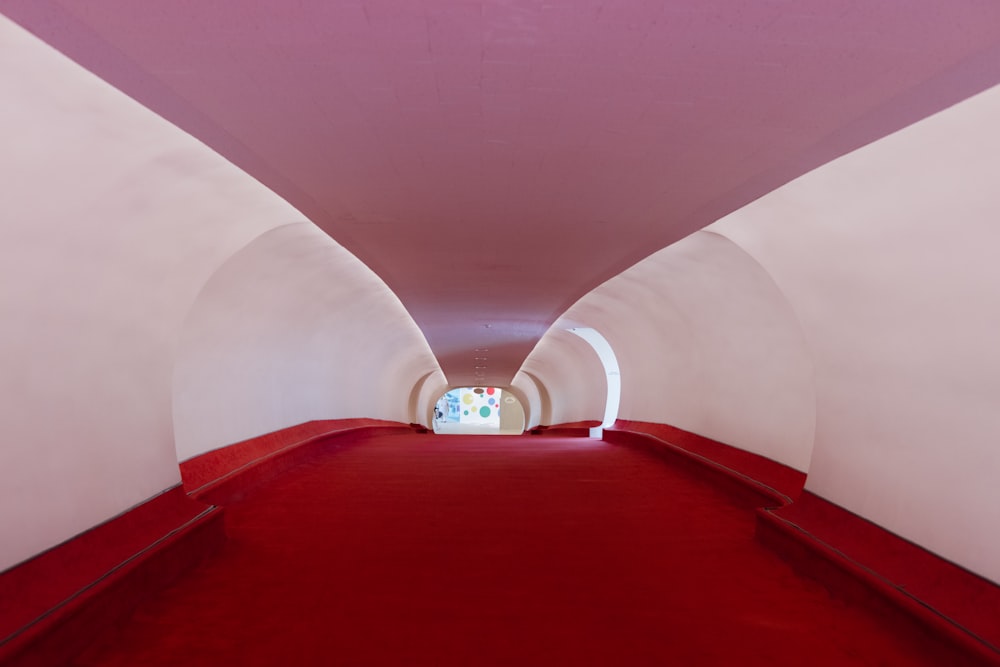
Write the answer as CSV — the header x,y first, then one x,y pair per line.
x,y
435,550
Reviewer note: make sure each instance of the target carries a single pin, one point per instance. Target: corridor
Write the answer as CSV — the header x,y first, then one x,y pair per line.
x,y
461,550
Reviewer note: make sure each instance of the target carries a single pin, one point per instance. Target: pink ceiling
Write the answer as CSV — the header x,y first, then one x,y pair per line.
x,y
495,160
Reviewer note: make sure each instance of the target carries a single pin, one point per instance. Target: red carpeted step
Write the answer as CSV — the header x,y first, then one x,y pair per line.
x,y
422,550
52,604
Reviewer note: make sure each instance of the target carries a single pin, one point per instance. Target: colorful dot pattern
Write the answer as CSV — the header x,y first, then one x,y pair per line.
x,y
472,405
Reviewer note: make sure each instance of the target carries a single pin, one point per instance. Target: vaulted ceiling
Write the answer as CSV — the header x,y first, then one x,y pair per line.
x,y
493,161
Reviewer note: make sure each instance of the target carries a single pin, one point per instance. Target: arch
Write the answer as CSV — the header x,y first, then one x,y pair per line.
x,y
414,404
544,400
99,281
478,411
290,329
706,342
609,361
433,387
526,408
570,378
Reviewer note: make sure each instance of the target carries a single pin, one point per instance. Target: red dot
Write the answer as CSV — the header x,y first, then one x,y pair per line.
x,y
490,391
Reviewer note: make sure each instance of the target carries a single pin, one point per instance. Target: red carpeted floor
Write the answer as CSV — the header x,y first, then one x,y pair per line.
x,y
448,550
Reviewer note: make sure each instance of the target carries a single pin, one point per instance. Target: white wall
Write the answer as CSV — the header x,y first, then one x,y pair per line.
x,y
706,342
531,397
149,289
574,386
846,325
292,328
524,389
889,258
432,389
111,221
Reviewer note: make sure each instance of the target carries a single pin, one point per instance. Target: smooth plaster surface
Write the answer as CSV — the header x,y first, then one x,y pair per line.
x,y
117,229
495,160
844,325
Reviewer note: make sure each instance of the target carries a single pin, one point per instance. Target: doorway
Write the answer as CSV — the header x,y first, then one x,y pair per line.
x,y
478,411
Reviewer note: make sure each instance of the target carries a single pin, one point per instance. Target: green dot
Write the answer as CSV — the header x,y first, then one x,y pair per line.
x,y
466,412
484,411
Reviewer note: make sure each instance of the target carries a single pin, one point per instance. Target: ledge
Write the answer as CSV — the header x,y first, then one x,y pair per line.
x,y
956,612
54,603
569,429
783,479
740,486
224,475
952,613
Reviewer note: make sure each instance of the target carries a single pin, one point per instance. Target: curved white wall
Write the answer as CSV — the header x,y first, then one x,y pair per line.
x,y
434,387
845,325
112,220
706,342
292,328
612,376
422,398
526,390
572,377
150,291
889,258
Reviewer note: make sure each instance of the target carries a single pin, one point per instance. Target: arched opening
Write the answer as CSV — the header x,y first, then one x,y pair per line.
x,y
610,362
478,411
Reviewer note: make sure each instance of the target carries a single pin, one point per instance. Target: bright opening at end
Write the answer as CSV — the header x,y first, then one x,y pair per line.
x,y
478,411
